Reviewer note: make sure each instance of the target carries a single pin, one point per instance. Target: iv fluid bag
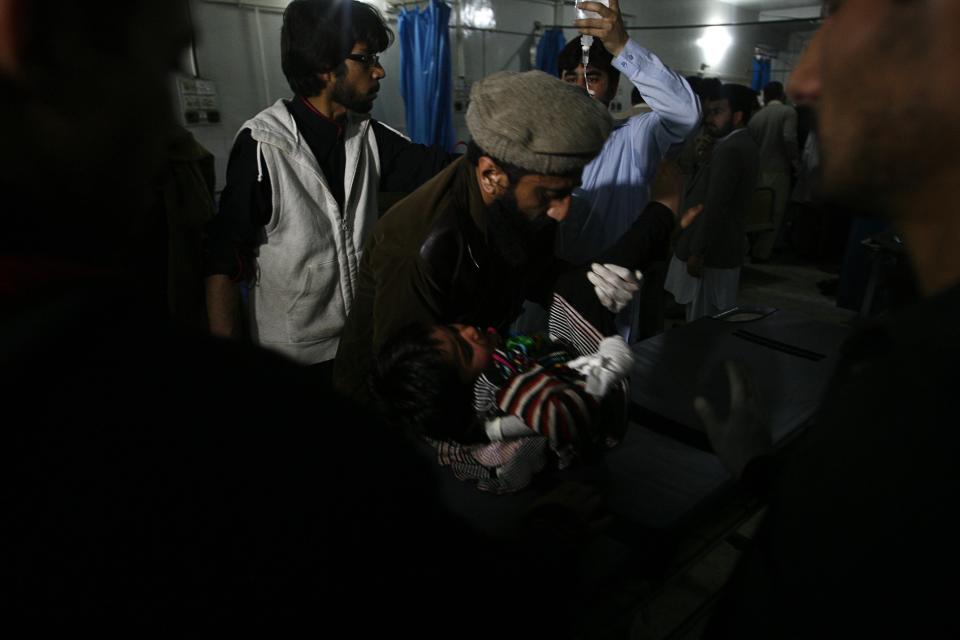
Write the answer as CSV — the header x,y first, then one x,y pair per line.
x,y
587,41
581,14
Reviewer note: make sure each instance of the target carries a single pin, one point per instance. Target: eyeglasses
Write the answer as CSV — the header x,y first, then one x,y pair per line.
x,y
366,59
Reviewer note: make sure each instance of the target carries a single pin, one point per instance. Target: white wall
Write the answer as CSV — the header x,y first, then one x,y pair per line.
x,y
788,59
229,53
249,77
486,53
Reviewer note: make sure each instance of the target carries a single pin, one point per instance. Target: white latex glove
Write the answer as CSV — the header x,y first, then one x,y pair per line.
x,y
612,362
506,427
614,285
745,434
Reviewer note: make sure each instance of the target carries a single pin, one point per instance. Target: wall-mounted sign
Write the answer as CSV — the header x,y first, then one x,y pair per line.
x,y
198,101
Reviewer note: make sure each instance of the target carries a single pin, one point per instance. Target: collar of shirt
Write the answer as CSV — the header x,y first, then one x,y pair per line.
x,y
468,195
731,134
325,138
317,124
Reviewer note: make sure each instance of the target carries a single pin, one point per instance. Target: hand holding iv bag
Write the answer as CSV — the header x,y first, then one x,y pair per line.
x,y
586,41
583,14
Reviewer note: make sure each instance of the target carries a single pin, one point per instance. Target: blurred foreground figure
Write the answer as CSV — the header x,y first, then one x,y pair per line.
x,y
861,536
142,487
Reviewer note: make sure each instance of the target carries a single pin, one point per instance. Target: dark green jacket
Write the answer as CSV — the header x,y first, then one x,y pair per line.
x,y
429,260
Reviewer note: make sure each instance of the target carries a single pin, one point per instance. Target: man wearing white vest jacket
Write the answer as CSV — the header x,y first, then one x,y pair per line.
x,y
302,183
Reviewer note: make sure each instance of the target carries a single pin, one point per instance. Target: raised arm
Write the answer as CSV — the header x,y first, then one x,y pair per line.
x,y
405,165
667,93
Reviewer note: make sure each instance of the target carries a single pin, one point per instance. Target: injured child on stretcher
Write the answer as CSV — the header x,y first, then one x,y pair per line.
x,y
498,410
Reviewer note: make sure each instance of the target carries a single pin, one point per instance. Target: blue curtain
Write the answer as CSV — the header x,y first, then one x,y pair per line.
x,y
761,73
548,50
425,74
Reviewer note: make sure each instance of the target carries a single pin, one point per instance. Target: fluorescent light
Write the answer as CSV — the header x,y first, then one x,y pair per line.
x,y
479,14
715,42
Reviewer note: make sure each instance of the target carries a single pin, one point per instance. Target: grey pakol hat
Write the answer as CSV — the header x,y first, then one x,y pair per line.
x,y
537,122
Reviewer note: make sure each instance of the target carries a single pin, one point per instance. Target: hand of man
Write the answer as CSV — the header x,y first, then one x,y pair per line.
x,y
615,286
612,362
608,27
695,266
667,189
745,434
689,216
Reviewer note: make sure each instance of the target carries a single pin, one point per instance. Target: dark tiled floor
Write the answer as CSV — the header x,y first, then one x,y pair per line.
x,y
678,606
793,287
786,284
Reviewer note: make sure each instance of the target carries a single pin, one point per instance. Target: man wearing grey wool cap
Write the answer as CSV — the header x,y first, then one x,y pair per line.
x,y
475,241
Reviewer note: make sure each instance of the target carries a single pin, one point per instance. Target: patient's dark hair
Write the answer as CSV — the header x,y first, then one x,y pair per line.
x,y
418,391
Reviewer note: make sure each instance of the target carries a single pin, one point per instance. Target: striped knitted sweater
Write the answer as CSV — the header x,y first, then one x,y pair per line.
x,y
541,390
530,383
528,378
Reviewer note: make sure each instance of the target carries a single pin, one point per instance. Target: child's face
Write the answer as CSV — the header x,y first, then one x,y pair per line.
x,y
467,348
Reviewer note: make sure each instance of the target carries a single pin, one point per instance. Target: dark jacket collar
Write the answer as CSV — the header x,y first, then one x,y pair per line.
x,y
467,195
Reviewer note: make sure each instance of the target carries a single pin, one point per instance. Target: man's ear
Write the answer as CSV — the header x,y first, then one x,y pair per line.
x,y
328,78
739,119
493,179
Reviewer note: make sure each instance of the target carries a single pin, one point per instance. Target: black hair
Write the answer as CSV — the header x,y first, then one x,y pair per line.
x,y
418,391
571,57
741,98
636,98
773,91
706,88
317,35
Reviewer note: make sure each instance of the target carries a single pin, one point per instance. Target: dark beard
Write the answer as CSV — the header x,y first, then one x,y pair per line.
x,y
509,232
719,134
349,98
